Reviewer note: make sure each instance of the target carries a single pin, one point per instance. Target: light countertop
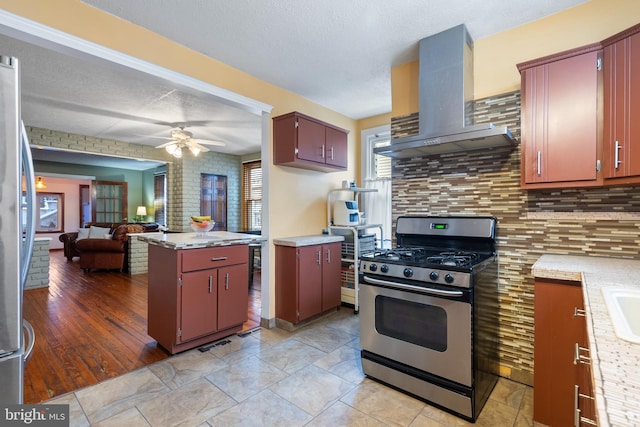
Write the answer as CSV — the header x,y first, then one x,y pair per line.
x,y
615,362
190,241
318,239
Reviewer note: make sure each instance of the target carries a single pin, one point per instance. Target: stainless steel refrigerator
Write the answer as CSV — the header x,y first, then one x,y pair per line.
x,y
17,229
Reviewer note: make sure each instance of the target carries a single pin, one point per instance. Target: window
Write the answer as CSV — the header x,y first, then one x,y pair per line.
x,y
160,198
213,199
49,212
252,196
381,165
377,174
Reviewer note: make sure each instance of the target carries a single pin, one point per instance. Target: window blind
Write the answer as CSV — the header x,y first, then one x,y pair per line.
x,y
381,164
159,198
252,195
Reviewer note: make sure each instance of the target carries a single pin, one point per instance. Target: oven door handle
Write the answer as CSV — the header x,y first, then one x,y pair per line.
x,y
420,289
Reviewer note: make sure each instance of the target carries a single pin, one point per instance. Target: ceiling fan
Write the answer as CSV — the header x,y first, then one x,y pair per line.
x,y
181,139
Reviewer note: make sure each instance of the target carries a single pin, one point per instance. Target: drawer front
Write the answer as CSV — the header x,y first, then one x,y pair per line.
x,y
205,258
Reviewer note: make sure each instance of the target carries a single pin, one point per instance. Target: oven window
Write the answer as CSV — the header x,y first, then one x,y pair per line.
x,y
420,324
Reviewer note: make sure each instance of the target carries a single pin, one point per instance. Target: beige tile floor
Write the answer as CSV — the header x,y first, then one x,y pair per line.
x,y
310,377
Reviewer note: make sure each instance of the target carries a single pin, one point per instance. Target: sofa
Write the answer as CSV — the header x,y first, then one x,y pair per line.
x,y
109,252
105,252
70,239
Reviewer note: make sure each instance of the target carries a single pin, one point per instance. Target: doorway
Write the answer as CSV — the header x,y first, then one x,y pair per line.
x,y
85,205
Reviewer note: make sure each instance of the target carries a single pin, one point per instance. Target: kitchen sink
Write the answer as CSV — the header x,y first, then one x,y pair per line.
x,y
624,309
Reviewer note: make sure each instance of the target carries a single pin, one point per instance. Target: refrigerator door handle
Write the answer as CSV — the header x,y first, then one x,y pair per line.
x,y
30,339
27,247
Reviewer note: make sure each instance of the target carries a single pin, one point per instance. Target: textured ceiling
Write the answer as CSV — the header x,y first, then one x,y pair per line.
x,y
336,53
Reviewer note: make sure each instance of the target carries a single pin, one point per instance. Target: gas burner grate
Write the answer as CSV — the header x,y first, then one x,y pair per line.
x,y
457,259
397,254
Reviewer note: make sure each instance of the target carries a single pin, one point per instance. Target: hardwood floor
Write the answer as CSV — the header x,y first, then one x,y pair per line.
x,y
91,327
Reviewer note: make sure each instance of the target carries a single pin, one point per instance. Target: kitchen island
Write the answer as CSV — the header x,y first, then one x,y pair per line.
x,y
614,361
198,289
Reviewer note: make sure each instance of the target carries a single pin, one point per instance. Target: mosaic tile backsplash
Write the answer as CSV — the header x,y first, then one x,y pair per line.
x,y
597,222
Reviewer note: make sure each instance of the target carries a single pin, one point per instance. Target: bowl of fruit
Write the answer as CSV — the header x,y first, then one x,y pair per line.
x,y
201,224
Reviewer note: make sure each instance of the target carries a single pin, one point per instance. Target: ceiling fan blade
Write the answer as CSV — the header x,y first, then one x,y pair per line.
x,y
192,144
209,142
154,137
167,143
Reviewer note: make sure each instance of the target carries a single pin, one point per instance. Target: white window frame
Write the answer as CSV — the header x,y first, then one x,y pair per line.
x,y
368,139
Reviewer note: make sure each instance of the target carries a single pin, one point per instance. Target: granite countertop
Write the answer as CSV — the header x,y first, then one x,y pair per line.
x,y
317,239
615,362
190,241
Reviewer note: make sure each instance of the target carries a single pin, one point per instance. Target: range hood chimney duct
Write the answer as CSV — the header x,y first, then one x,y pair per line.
x,y
446,102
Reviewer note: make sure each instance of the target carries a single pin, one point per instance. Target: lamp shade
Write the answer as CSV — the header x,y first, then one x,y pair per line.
x,y
141,211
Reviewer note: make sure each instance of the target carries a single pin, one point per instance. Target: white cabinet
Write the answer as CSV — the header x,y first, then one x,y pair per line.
x,y
356,243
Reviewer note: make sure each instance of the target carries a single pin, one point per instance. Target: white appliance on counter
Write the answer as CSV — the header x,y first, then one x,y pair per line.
x,y
345,213
17,232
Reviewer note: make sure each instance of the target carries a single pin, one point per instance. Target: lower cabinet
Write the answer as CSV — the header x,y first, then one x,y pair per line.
x,y
196,295
307,280
563,385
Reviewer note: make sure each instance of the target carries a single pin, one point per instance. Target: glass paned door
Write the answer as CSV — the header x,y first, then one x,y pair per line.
x,y
109,201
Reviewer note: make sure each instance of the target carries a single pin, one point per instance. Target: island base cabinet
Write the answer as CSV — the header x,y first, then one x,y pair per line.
x,y
307,280
196,295
233,298
199,293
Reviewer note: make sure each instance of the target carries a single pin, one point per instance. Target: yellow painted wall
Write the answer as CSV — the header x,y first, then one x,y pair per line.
x,y
495,57
297,197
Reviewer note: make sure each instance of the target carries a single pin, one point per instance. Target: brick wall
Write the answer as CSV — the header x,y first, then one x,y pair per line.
x,y
598,221
138,256
183,175
38,276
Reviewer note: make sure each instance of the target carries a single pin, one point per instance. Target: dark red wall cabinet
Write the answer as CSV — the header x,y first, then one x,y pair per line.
x,y
304,142
622,107
560,110
579,115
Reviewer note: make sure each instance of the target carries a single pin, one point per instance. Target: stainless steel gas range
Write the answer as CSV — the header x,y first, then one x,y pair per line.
x,y
429,311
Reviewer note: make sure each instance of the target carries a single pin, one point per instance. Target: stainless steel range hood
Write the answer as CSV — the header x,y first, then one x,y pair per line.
x,y
446,102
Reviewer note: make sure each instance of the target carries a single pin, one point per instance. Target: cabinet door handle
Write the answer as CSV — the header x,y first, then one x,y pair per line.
x,y
210,284
323,151
219,258
328,256
578,312
616,160
539,161
319,257
577,418
331,152
579,358
226,281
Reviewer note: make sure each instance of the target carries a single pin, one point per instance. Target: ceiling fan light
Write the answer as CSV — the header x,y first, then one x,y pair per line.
x,y
171,148
194,150
177,153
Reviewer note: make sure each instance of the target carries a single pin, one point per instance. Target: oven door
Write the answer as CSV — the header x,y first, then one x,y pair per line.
x,y
417,327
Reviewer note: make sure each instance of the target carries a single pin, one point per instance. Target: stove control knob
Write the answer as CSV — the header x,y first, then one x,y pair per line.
x,y
433,275
448,278
373,267
407,272
384,268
